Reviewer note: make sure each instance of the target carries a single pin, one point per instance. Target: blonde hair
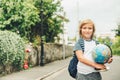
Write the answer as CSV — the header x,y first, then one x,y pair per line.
x,y
83,22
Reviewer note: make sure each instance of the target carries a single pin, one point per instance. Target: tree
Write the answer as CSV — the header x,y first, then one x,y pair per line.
x,y
18,16
117,30
52,22
23,17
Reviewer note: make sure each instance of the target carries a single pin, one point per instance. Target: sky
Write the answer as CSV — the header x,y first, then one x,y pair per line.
x,y
104,13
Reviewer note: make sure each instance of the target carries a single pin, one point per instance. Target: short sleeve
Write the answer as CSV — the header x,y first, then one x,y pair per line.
x,y
77,46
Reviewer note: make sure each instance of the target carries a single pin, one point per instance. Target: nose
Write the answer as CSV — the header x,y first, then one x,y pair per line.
x,y
87,30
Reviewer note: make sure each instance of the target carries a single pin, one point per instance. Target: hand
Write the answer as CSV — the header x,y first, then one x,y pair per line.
x,y
110,60
100,67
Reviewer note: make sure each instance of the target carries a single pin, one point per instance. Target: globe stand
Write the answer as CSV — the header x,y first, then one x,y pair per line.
x,y
103,70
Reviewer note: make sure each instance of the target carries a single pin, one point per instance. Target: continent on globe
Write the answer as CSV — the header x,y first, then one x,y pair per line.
x,y
101,53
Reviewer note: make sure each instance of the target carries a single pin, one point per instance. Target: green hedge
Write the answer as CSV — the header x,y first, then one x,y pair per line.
x,y
11,49
116,51
116,46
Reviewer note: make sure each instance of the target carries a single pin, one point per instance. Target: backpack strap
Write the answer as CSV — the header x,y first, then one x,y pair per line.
x,y
96,42
81,42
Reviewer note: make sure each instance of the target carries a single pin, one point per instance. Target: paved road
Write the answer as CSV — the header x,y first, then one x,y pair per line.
x,y
112,74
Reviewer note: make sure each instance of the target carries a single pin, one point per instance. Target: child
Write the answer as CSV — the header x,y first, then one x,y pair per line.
x,y
86,66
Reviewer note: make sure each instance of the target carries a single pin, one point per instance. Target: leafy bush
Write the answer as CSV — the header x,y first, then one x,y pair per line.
x,y
116,46
11,49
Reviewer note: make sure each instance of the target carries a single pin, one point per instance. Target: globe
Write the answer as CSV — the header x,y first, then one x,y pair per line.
x,y
101,53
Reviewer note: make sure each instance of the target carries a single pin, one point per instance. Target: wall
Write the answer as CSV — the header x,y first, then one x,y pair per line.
x,y
52,52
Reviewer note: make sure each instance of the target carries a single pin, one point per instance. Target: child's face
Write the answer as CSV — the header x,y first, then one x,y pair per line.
x,y
87,31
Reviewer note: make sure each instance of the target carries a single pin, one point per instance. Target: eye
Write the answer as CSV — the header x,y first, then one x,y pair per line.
x,y
90,28
84,28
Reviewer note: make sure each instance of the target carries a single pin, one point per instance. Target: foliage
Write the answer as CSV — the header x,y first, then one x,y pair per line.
x,y
11,49
105,40
117,31
52,21
116,46
24,17
18,16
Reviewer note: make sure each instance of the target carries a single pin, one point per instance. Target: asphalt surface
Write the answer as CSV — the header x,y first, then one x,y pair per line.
x,y
57,70
112,74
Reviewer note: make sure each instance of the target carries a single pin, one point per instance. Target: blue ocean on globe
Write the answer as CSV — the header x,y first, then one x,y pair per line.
x,y
101,53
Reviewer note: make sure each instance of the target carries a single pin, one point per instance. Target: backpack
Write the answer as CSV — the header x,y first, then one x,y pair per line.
x,y
72,67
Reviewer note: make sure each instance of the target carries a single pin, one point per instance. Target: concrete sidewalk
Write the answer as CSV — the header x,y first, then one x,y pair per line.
x,y
38,72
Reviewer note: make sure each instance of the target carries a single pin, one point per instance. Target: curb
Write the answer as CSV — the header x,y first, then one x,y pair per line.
x,y
49,74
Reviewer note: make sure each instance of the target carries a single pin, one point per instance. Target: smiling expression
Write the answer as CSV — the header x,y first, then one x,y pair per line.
x,y
87,31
